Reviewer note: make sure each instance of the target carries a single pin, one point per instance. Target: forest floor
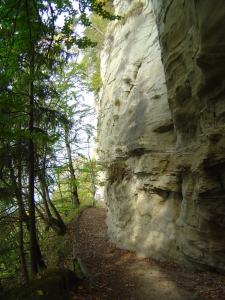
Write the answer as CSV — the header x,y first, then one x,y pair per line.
x,y
121,275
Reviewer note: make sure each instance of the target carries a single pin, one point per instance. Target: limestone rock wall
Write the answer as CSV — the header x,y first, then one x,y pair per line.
x,y
161,130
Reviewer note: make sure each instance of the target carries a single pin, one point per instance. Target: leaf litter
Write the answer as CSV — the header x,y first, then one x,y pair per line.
x,y
121,275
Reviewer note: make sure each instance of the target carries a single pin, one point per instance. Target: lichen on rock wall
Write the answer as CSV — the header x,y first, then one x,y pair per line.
x,y
161,121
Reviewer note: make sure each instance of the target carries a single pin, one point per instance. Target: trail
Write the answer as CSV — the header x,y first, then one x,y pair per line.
x,y
120,275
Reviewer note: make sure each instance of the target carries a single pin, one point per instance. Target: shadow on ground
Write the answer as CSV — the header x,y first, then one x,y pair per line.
x,y
120,275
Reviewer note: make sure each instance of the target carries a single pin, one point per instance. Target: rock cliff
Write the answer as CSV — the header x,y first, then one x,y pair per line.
x,y
161,130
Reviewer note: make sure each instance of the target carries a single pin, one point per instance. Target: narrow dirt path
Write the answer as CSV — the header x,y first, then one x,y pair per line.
x,y
123,276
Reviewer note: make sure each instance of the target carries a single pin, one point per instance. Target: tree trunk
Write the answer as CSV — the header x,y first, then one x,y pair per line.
x,y
53,223
46,199
40,261
44,195
57,215
20,206
92,174
18,196
31,164
49,220
57,180
92,179
75,198
23,217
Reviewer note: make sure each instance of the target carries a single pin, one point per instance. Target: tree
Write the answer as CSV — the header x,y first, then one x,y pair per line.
x,y
71,84
91,57
32,49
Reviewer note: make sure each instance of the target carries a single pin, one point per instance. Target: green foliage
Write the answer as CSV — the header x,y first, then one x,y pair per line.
x,y
48,284
38,73
56,249
9,242
100,8
91,58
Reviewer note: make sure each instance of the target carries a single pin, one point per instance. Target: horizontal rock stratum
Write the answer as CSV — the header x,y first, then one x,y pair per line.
x,y
162,137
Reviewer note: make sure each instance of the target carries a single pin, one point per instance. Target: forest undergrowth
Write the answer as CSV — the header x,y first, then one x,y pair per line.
x,y
119,273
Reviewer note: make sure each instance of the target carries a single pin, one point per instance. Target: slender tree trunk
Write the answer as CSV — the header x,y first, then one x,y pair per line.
x,y
53,223
75,198
44,195
57,215
56,224
20,205
40,261
57,181
31,163
18,195
92,175
59,187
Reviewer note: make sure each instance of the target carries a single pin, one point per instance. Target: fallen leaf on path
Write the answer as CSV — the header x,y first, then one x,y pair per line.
x,y
39,293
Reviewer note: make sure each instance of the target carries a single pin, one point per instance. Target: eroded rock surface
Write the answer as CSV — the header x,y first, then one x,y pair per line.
x,y
161,130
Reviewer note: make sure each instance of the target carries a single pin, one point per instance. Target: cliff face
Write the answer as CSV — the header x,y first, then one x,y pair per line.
x,y
161,130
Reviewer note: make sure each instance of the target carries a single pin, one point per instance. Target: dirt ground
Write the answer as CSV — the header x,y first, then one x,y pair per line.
x,y
120,275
